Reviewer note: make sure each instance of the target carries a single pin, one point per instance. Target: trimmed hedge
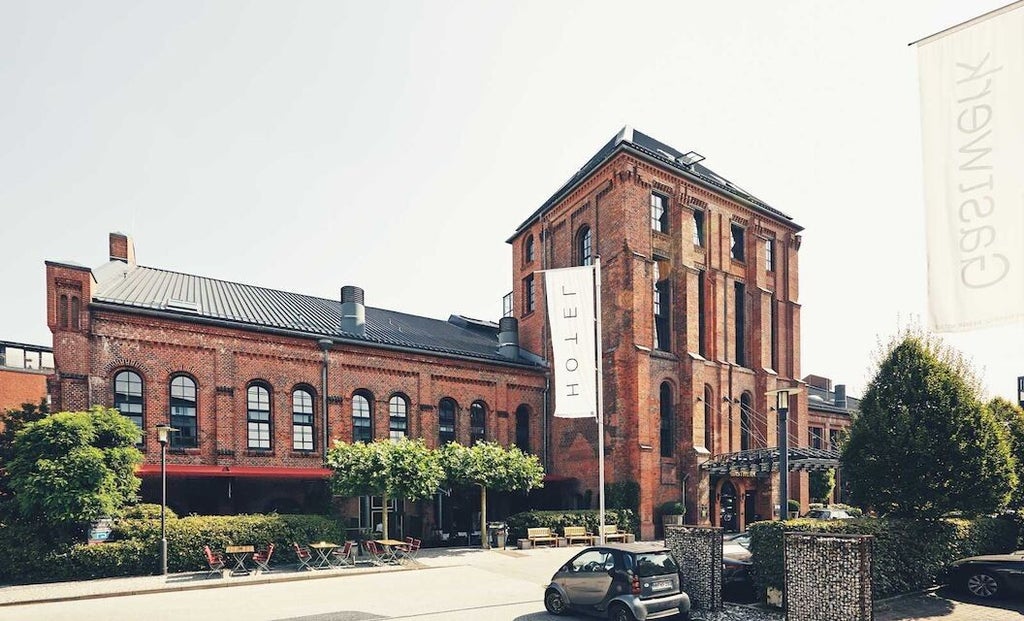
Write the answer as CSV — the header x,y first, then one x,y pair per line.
x,y
907,554
134,547
625,519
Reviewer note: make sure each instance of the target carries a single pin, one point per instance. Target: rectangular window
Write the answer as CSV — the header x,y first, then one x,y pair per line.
x,y
769,255
659,213
15,358
702,325
833,439
506,305
741,322
736,247
47,360
529,296
302,421
662,316
815,434
698,228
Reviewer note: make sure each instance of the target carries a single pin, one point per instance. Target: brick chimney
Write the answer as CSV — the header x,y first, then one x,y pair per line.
x,y
122,248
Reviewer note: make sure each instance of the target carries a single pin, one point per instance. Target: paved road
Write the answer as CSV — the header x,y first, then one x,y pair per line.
x,y
454,585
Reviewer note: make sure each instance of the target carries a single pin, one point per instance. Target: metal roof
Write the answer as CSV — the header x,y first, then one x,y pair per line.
x,y
191,296
753,461
668,156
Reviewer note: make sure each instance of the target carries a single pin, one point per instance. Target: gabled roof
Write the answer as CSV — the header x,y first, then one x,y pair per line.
x,y
667,156
198,297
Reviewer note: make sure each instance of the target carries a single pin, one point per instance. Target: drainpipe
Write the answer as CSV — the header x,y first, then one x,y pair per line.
x,y
325,346
544,423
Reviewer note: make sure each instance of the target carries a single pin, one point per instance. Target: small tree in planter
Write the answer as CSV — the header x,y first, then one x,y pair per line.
x,y
672,512
793,506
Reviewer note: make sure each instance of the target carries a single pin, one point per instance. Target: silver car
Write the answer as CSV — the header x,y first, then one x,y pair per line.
x,y
623,582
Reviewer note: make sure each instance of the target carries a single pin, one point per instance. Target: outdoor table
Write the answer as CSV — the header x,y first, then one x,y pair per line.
x,y
393,546
239,553
323,552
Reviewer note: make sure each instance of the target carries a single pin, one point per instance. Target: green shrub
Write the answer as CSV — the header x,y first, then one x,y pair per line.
x,y
622,495
907,554
147,511
672,507
625,519
794,505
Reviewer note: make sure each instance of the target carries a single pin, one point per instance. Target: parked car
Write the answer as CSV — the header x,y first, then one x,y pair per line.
x,y
990,576
623,582
737,582
828,514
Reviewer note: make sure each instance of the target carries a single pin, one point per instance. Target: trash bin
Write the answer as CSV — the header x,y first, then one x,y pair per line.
x,y
496,532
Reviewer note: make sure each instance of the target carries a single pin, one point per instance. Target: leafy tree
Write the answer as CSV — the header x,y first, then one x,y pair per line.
x,y
403,469
73,467
488,465
1011,416
11,422
922,444
822,483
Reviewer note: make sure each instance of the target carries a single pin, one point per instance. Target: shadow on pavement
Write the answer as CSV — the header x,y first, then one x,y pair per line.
x,y
1010,603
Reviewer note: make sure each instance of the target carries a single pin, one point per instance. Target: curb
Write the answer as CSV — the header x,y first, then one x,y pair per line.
x,y
221,584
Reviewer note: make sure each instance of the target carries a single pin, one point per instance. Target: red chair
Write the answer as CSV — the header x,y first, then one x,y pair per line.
x,y
342,557
215,561
262,558
407,551
304,556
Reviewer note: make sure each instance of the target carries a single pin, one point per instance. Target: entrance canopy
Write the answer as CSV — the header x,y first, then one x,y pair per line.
x,y
753,461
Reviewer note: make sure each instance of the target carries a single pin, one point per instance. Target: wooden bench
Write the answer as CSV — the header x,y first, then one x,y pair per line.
x,y
611,533
577,534
541,535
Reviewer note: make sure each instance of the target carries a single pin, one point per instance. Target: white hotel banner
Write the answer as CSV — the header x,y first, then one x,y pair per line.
x,y
570,302
972,123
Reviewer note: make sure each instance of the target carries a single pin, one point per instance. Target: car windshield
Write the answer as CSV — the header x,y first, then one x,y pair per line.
x,y
655,564
817,513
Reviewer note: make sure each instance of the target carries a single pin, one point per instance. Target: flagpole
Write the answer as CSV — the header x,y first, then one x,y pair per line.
x,y
600,398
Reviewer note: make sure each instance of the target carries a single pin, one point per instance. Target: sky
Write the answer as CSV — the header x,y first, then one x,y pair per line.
x,y
307,145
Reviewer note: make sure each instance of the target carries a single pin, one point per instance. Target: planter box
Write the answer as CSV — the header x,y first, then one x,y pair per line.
x,y
672,520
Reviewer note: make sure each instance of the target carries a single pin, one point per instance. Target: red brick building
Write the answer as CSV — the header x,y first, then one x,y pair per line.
x,y
700,320
259,381
23,371
829,412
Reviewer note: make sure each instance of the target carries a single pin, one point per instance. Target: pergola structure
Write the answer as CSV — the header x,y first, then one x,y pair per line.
x,y
754,461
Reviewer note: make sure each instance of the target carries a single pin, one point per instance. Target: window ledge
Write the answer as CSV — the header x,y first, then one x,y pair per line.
x,y
183,451
665,355
303,454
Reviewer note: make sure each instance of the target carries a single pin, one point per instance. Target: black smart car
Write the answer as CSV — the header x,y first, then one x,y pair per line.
x,y
623,582
990,576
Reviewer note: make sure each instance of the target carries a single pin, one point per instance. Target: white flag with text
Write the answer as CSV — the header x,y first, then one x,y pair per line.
x,y
972,123
570,302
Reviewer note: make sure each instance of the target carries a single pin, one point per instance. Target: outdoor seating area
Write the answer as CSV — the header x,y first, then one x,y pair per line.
x,y
537,536
611,532
243,560
578,534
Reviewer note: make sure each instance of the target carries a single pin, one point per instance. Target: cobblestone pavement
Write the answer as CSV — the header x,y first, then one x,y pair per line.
x,y
945,605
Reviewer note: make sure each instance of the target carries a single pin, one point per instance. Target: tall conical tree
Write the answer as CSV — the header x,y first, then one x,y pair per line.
x,y
923,444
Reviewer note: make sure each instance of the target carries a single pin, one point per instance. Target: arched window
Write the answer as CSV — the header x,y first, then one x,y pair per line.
x,y
62,311
746,422
258,416
302,420
76,309
398,415
362,421
709,419
523,428
477,422
446,421
128,397
183,412
584,249
667,441
528,250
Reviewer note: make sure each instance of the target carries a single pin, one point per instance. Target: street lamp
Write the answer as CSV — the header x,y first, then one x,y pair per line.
x,y
782,408
163,435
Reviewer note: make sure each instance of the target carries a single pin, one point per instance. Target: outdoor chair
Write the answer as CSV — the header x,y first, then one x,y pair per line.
x,y
342,557
262,558
408,551
215,561
304,556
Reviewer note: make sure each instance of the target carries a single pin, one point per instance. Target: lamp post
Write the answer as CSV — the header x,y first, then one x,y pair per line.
x,y
163,432
782,407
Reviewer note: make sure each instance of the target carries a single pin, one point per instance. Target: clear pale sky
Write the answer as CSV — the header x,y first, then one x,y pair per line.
x,y
396,145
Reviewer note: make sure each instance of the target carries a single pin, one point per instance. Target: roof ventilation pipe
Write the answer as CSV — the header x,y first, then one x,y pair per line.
x,y
353,312
508,338
840,395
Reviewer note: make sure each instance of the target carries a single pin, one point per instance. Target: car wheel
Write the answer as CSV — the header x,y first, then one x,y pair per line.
x,y
620,612
982,584
554,602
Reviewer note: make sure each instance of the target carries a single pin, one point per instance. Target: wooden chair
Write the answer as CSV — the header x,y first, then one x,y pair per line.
x,y
215,561
262,558
304,556
342,557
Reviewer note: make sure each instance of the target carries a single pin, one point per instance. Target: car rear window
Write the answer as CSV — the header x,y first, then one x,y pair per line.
x,y
655,564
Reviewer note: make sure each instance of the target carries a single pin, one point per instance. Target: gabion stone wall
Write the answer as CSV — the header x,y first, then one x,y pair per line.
x,y
827,577
698,551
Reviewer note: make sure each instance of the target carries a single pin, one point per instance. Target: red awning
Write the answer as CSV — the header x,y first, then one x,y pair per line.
x,y
200,471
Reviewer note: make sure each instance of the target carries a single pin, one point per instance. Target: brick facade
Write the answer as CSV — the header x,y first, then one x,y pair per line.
x,y
613,201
